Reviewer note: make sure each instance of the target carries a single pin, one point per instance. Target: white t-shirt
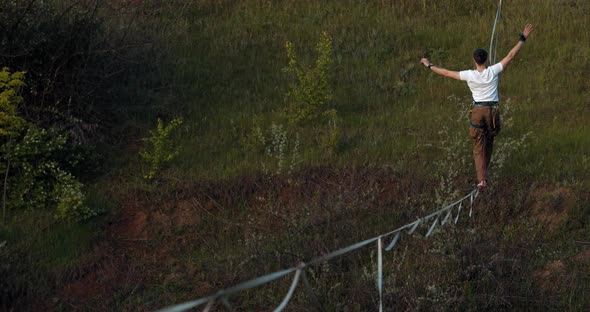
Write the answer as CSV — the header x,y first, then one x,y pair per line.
x,y
484,85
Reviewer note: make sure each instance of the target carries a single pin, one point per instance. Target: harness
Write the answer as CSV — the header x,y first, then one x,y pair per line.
x,y
492,104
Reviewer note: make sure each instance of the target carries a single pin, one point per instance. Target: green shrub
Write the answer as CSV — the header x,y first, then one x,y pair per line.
x,y
159,148
34,161
309,96
10,84
277,148
38,178
311,91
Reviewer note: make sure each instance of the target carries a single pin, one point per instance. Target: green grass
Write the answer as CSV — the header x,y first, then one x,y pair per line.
x,y
60,245
393,112
229,58
40,254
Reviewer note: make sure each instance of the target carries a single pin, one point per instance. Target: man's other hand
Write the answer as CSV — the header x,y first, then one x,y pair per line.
x,y
527,30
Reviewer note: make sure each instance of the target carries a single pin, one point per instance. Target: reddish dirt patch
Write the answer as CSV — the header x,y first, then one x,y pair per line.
x,y
136,228
90,285
552,205
583,257
550,276
85,287
132,224
552,268
185,213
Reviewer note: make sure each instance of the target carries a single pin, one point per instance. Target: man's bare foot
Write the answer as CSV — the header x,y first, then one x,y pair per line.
x,y
481,186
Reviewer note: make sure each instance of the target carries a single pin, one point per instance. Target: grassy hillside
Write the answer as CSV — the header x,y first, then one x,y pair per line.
x,y
229,208
230,58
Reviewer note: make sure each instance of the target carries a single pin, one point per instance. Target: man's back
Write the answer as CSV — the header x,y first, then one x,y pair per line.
x,y
483,85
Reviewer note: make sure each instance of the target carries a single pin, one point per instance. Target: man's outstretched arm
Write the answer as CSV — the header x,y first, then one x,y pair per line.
x,y
441,71
512,54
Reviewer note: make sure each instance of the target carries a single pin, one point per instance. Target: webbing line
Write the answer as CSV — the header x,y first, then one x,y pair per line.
x,y
223,294
493,61
498,10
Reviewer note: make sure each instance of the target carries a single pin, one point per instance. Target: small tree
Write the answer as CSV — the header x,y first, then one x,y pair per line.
x,y
310,94
10,121
159,148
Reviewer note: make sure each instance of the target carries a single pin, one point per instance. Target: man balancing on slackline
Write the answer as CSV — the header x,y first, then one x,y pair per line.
x,y
484,118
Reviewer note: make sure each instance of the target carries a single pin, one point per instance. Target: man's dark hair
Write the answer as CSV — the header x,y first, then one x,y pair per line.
x,y
480,56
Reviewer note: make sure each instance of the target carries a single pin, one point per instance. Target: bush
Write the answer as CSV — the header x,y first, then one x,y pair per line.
x,y
34,164
10,84
159,148
311,92
277,149
38,179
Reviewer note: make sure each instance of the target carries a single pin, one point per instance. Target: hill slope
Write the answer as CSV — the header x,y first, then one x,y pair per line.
x,y
251,192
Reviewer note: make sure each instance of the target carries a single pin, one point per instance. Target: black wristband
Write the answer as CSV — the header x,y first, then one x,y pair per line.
x,y
430,65
522,37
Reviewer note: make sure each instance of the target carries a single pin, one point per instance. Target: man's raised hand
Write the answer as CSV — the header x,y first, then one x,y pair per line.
x,y
424,61
527,30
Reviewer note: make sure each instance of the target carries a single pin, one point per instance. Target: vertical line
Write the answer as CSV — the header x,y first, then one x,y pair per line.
x,y
458,212
393,242
380,273
432,226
